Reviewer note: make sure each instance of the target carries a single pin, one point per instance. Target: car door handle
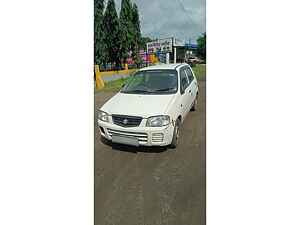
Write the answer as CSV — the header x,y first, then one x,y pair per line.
x,y
190,91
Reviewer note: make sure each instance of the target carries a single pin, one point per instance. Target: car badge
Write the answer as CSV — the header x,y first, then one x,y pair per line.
x,y
125,121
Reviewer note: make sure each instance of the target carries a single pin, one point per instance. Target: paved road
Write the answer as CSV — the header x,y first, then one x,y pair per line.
x,y
151,186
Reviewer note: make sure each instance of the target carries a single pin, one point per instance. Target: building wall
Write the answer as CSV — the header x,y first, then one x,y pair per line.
x,y
115,76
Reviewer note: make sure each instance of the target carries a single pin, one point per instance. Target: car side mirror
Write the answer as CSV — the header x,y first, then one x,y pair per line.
x,y
123,85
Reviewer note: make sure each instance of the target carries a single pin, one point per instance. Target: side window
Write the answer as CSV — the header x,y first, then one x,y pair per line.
x,y
183,80
189,74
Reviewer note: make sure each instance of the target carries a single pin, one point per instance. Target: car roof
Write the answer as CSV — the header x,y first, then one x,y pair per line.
x,y
164,66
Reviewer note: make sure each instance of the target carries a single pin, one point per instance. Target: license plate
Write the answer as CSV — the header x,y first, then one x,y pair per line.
x,y
125,140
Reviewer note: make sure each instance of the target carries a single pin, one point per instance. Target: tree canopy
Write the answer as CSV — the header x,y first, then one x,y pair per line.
x,y
144,41
136,35
111,32
99,54
136,25
126,29
115,36
202,48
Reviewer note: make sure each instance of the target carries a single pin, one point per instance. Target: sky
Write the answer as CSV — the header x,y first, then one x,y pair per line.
x,y
166,18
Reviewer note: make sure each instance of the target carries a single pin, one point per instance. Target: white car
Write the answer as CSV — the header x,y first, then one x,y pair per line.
x,y
150,107
195,59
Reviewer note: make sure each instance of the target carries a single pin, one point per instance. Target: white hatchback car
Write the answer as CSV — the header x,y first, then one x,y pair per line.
x,y
150,107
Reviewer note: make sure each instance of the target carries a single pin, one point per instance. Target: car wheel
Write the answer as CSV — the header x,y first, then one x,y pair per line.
x,y
175,139
194,107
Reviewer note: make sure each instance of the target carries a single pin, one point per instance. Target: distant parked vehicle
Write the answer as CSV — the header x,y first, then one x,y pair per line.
x,y
195,60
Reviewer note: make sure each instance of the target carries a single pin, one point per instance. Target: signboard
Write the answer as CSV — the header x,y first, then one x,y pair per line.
x,y
161,57
160,46
178,42
142,54
151,58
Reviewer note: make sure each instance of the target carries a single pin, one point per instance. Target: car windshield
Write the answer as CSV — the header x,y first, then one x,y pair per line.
x,y
152,82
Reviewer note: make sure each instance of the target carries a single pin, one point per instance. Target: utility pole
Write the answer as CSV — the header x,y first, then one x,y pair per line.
x,y
189,49
168,58
175,55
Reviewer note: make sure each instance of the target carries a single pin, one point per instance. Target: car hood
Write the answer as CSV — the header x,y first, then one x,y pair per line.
x,y
137,105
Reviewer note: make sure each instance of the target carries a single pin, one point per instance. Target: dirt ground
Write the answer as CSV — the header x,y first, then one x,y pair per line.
x,y
152,185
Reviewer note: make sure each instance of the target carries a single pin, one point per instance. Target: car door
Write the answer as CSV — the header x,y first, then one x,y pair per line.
x,y
193,85
185,94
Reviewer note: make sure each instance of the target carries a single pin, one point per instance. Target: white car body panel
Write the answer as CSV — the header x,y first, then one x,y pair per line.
x,y
132,104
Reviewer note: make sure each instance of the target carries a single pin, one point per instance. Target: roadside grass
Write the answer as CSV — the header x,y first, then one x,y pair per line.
x,y
113,85
200,71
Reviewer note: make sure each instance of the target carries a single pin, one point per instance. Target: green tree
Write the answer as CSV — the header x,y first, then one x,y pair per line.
x,y
111,33
143,41
136,25
202,48
137,35
126,29
136,57
99,54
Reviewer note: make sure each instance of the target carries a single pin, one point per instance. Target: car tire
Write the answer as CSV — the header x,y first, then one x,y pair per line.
x,y
175,139
195,104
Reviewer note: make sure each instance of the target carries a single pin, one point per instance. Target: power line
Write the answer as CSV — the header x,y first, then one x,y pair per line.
x,y
187,14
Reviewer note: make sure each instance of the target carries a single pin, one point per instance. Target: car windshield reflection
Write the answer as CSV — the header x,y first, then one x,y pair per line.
x,y
152,82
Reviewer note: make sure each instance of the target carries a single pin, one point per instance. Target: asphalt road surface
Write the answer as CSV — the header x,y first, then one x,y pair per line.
x,y
152,185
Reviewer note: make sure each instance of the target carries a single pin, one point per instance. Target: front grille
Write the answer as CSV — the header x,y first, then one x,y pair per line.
x,y
127,121
157,137
143,137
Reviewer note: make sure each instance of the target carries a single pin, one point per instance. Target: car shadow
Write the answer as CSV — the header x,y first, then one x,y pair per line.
x,y
133,149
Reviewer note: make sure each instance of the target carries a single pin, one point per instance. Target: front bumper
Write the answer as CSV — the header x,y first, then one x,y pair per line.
x,y
148,136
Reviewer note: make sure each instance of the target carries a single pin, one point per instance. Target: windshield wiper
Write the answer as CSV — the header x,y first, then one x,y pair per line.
x,y
164,89
137,91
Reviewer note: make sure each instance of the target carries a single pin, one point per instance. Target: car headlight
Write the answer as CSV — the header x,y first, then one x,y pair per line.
x,y
103,116
158,121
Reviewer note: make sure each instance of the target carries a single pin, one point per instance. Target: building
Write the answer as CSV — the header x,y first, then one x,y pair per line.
x,y
168,50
